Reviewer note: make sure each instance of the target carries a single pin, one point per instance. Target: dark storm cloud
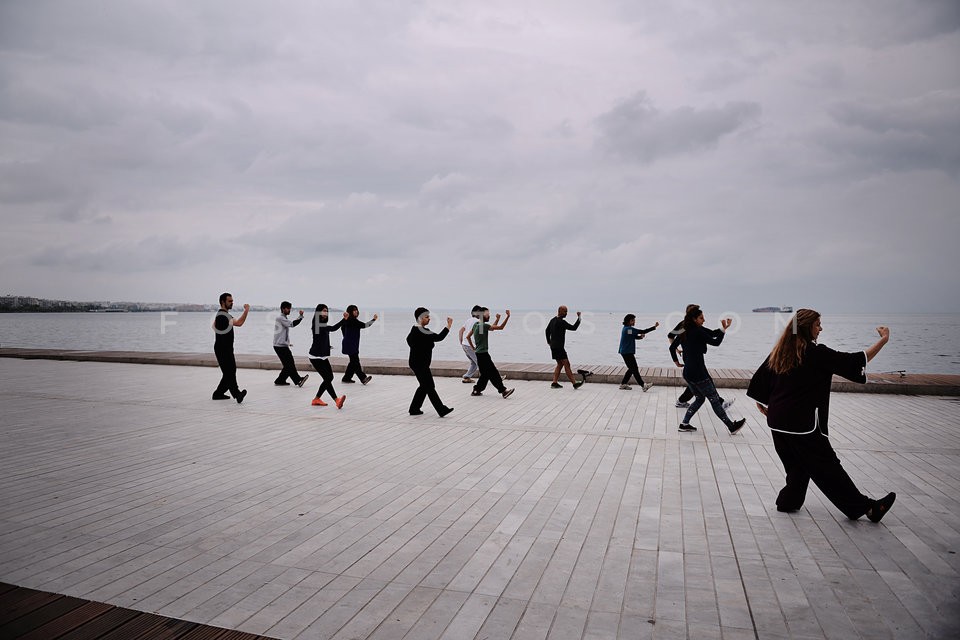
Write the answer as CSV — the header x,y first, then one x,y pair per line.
x,y
636,130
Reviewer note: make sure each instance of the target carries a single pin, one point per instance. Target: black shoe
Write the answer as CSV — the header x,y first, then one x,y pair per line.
x,y
476,393
880,507
416,412
366,380
577,385
556,385
686,427
243,394
221,396
737,425
787,509
302,380
507,393
350,381
444,411
281,384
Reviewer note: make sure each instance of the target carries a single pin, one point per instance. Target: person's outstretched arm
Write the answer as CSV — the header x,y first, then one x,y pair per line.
x,y
874,349
498,327
243,316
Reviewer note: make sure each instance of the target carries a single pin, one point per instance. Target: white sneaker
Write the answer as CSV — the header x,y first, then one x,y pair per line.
x,y
646,386
625,387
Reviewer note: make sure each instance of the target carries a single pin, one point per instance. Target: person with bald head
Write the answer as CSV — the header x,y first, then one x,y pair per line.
x,y
556,333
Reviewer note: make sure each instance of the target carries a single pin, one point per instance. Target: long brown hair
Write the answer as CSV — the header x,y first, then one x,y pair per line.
x,y
690,320
787,354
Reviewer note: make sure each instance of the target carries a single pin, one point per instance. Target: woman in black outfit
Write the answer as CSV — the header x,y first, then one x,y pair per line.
x,y
792,389
695,339
320,352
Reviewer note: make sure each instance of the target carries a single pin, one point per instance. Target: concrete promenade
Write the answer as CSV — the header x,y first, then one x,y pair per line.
x,y
551,514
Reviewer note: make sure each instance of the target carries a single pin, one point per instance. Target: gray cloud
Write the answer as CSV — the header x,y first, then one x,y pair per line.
x,y
900,135
636,130
152,253
450,150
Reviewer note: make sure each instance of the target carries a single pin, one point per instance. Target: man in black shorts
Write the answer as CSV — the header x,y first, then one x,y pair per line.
x,y
223,325
556,337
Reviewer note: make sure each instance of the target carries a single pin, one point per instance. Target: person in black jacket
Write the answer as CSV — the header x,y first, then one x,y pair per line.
x,y
320,352
792,389
421,341
350,345
683,402
556,333
695,339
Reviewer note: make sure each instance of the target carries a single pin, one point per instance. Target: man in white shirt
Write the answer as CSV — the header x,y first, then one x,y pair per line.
x,y
465,332
281,344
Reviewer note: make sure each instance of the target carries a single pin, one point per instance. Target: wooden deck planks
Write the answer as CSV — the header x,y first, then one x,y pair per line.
x,y
554,513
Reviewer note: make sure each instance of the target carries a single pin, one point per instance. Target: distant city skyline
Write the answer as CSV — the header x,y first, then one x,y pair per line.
x,y
609,155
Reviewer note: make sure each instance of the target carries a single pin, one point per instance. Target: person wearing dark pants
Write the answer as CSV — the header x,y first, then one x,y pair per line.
x,y
695,339
628,348
320,354
479,340
281,345
223,325
421,341
683,401
350,346
792,389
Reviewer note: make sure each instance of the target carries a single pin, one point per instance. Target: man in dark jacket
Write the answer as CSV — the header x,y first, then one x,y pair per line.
x,y
421,341
351,344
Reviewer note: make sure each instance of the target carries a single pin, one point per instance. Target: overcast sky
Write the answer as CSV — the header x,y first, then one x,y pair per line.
x,y
612,154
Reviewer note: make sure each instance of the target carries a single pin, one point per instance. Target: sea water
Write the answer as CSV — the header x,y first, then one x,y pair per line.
x,y
920,343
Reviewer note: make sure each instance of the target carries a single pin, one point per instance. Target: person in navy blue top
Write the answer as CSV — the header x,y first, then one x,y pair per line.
x,y
792,389
320,354
695,339
628,348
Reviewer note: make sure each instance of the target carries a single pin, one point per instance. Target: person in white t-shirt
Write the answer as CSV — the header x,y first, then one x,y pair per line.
x,y
464,334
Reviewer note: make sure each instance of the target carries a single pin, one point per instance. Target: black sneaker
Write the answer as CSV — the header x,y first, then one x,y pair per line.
x,y
220,396
476,393
556,385
243,394
366,380
686,427
880,507
445,411
281,384
302,380
577,385
347,381
507,393
682,405
737,425
416,413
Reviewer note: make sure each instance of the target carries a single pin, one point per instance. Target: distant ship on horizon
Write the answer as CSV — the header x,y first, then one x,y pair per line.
x,y
783,309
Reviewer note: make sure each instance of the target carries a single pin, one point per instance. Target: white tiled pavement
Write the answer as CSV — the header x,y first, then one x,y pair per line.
x,y
552,514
